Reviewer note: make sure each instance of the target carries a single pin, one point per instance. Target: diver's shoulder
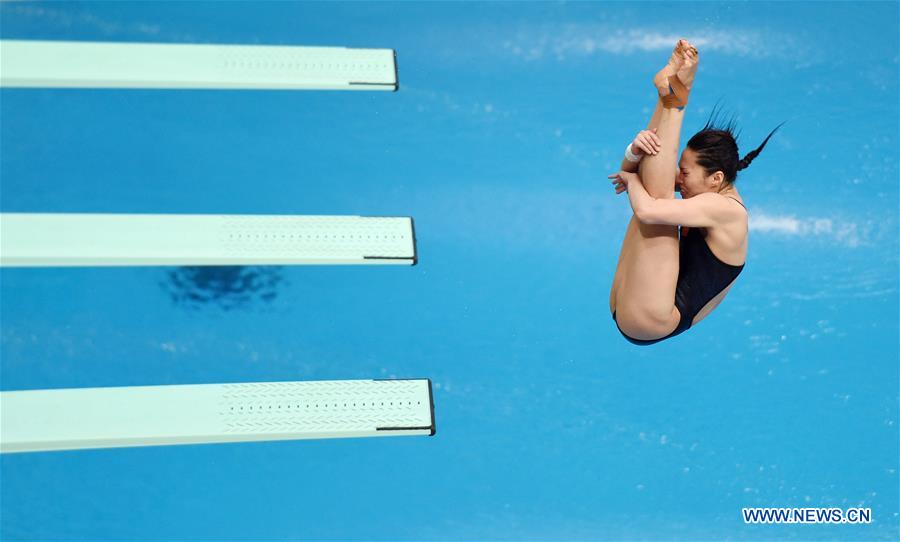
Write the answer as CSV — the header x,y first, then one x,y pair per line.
x,y
733,196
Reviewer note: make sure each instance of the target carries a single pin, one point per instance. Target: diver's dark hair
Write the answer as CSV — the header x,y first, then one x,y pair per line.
x,y
717,150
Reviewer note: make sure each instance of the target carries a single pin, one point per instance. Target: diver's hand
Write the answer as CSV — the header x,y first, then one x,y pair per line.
x,y
622,179
646,142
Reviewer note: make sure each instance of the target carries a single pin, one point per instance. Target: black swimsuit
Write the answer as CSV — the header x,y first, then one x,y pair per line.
x,y
701,277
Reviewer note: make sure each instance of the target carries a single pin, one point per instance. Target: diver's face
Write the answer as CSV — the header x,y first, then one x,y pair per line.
x,y
691,179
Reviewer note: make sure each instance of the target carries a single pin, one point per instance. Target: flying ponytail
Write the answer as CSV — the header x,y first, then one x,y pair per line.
x,y
745,161
716,148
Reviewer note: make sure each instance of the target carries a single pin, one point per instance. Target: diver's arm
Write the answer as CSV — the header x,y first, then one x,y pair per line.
x,y
640,199
700,211
630,167
646,142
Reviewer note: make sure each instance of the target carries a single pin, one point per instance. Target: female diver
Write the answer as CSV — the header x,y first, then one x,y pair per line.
x,y
665,284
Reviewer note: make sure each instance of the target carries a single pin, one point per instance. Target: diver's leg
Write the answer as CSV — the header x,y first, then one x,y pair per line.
x,y
654,119
632,228
657,171
645,297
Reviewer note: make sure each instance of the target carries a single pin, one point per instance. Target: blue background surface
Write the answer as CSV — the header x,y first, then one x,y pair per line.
x,y
498,143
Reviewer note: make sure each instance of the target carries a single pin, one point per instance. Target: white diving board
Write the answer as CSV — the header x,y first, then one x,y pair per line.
x,y
82,64
64,240
70,419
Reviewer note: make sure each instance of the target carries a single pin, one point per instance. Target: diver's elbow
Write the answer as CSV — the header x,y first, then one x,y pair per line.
x,y
645,214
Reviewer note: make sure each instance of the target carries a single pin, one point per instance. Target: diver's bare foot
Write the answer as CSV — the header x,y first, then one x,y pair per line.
x,y
678,85
688,68
676,61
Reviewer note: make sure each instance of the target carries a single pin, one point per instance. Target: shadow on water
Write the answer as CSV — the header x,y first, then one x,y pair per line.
x,y
228,288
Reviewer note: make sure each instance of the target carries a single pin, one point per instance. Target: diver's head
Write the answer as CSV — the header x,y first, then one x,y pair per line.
x,y
710,161
693,178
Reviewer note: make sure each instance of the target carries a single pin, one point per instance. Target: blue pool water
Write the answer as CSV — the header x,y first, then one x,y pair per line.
x,y
508,119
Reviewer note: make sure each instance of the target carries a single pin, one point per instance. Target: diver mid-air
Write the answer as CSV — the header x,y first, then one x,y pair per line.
x,y
667,280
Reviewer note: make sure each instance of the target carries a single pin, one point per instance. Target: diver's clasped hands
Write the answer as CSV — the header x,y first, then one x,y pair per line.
x,y
622,180
646,142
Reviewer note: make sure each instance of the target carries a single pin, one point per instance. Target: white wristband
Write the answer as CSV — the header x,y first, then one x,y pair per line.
x,y
632,157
